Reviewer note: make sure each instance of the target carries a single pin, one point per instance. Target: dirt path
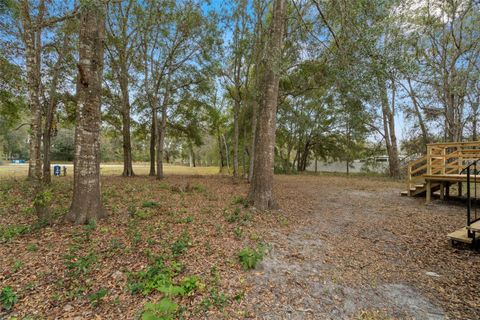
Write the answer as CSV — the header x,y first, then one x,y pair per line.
x,y
361,251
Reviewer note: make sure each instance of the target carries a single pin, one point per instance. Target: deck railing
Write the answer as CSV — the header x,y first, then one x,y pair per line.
x,y
442,159
472,214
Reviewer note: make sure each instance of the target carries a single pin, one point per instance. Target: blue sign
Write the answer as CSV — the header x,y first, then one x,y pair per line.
x,y
56,170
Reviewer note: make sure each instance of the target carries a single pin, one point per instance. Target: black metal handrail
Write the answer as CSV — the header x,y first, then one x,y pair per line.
x,y
475,172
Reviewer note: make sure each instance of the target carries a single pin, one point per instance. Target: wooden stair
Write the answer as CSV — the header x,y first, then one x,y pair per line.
x,y
461,235
420,189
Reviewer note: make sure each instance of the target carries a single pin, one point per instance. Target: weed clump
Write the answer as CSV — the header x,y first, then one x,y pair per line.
x,y
249,257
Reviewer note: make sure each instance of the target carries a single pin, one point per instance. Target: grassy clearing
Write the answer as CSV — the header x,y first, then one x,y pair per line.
x,y
20,171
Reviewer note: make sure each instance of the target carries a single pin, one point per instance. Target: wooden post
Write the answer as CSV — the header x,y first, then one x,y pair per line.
x,y
409,177
429,160
447,190
428,197
442,190
460,189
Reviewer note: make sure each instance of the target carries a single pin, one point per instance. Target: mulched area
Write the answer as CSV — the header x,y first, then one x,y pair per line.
x,y
339,248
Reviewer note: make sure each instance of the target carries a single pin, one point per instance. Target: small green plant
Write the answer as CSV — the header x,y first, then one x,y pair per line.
x,y
32,247
190,284
199,188
181,244
186,220
97,297
43,199
17,265
7,233
234,217
155,277
134,233
165,309
164,186
149,204
240,200
131,210
142,214
218,298
8,298
90,226
249,257
79,265
238,231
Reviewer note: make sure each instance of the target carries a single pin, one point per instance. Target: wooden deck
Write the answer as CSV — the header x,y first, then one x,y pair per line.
x,y
441,168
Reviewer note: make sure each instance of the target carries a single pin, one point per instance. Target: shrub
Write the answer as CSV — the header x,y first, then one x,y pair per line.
x,y
249,257
160,277
8,298
156,277
163,310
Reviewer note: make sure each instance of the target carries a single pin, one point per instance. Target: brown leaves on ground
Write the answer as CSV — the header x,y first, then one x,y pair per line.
x,y
334,238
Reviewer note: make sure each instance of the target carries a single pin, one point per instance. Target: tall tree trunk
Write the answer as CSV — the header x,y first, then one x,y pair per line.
x,y
49,114
32,40
226,152
191,155
127,144
475,107
221,163
236,132
252,142
87,203
153,140
261,188
162,130
245,152
389,129
161,143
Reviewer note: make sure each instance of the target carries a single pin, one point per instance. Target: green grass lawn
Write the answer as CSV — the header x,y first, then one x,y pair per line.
x,y
20,171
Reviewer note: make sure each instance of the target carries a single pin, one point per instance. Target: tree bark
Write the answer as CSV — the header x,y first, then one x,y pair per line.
x,y
261,189
127,144
86,203
221,163
161,139
252,143
226,152
33,46
153,140
388,113
191,155
236,132
50,112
